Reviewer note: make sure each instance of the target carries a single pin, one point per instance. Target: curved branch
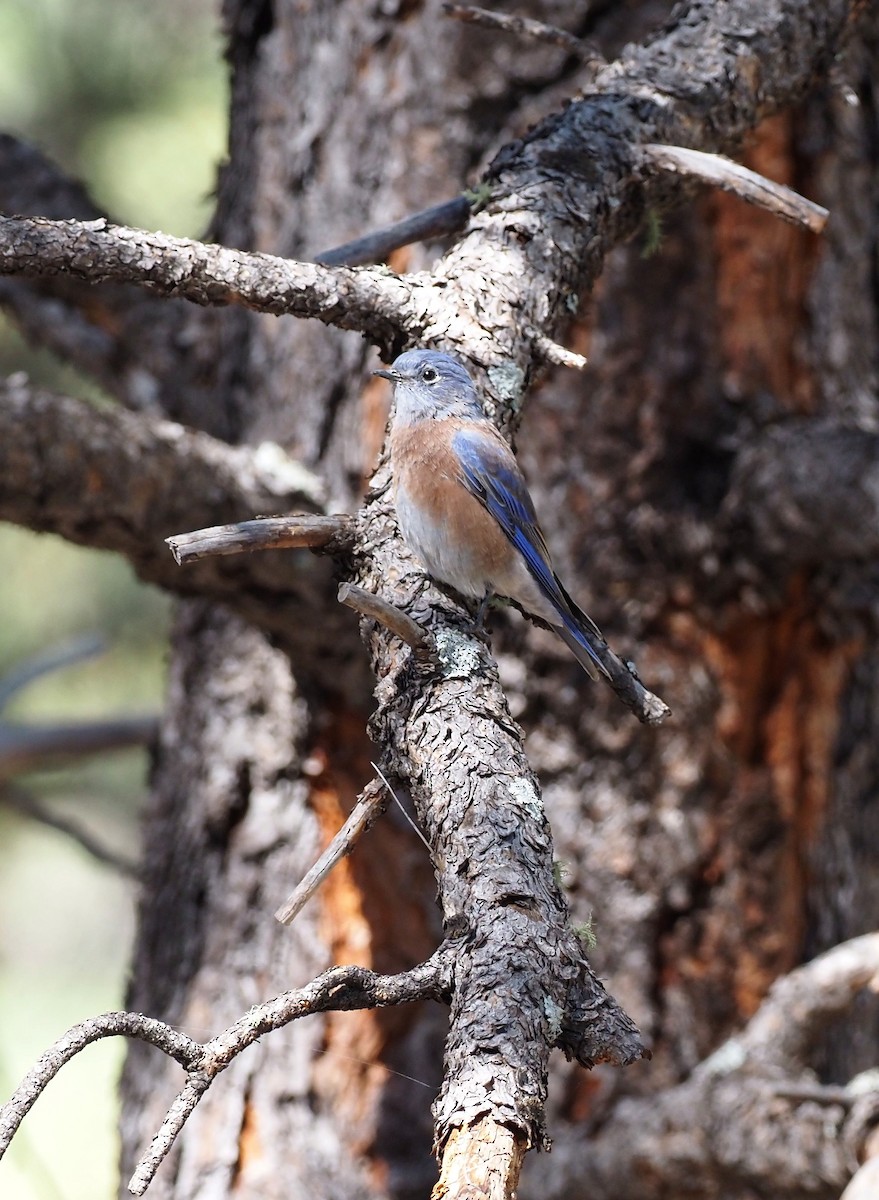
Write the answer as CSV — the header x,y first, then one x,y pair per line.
x,y
798,1006
29,806
337,990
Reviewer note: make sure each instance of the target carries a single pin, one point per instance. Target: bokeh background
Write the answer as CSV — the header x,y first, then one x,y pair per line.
x,y
131,98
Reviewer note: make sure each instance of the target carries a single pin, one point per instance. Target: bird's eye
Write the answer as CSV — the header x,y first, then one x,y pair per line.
x,y
429,374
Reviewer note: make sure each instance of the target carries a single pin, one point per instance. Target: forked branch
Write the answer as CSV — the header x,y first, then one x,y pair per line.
x,y
340,989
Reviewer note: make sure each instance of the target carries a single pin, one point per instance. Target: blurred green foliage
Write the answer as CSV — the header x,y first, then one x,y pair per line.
x,y
130,97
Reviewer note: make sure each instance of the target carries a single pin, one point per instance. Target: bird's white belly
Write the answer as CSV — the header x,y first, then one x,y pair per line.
x,y
446,560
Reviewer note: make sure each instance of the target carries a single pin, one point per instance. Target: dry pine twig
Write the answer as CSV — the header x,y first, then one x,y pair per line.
x,y
339,989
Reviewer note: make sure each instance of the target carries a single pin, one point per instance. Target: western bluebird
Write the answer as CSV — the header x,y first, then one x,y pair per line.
x,y
463,505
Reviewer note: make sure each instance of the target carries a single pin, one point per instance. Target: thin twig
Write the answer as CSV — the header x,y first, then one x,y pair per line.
x,y
133,1025
442,219
89,645
733,177
339,989
399,804
523,27
368,604
25,747
370,805
181,1109
816,1093
22,802
298,531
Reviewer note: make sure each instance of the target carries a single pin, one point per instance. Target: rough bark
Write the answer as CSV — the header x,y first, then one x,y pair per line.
x,y
681,509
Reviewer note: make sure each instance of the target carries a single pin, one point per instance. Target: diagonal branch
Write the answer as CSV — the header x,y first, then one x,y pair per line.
x,y
524,27
522,982
29,806
732,177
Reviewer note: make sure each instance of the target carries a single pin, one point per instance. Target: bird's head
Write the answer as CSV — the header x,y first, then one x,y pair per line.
x,y
429,385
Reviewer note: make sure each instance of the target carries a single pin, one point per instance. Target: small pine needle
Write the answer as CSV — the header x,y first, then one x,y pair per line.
x,y
399,805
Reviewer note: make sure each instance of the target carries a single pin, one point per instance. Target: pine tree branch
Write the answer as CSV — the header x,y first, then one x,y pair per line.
x,y
375,302
121,337
731,1110
111,479
340,989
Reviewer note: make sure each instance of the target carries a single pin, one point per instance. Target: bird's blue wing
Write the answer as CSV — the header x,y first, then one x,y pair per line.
x,y
491,473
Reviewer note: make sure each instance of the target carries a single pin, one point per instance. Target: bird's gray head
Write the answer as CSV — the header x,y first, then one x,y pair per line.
x,y
429,385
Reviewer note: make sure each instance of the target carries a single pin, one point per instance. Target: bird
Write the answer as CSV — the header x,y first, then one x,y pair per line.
x,y
463,505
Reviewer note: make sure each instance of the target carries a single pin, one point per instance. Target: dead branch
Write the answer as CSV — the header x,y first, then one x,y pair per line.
x,y
438,221
799,1004
296,532
68,468
120,336
29,806
522,981
55,658
551,352
370,605
525,27
374,302
339,989
560,199
732,177
372,803
482,1161
26,747
763,1149
30,747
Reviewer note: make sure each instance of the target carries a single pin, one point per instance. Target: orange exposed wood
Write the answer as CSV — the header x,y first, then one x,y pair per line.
x,y
250,1147
780,685
364,922
763,269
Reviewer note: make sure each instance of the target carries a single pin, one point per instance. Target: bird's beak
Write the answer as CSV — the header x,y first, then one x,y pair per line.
x,y
393,376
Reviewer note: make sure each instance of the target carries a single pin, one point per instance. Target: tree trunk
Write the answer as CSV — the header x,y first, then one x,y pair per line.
x,y
700,486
